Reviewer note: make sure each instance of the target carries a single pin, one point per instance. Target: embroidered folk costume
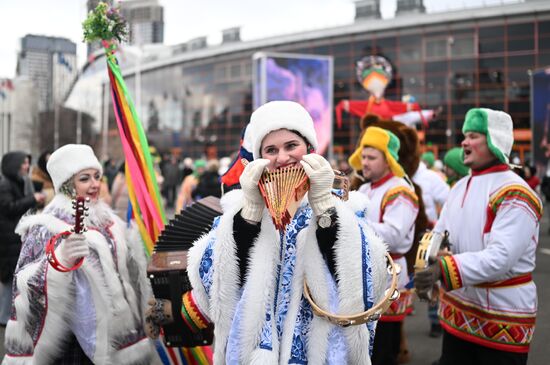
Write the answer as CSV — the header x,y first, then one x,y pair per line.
x,y
434,191
391,211
248,278
489,298
89,315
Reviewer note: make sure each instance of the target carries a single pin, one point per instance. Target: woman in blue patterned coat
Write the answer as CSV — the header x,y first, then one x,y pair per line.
x,y
248,278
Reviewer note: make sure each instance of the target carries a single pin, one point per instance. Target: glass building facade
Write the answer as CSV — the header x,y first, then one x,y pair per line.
x,y
450,62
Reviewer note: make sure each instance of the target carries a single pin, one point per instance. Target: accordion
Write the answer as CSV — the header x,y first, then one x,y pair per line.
x,y
167,268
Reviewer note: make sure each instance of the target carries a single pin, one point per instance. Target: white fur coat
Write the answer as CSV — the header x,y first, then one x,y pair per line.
x,y
224,298
112,277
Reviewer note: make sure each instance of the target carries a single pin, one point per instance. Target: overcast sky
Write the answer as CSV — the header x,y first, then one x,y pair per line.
x,y
187,19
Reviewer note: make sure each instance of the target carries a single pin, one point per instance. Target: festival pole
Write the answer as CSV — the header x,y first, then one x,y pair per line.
x,y
106,25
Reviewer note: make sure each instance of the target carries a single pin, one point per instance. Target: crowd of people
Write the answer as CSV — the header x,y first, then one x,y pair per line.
x,y
309,293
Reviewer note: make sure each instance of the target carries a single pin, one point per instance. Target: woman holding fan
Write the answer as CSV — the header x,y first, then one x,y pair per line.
x,y
258,284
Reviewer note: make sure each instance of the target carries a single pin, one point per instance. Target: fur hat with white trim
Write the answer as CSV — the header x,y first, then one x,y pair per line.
x,y
496,125
68,160
277,115
384,141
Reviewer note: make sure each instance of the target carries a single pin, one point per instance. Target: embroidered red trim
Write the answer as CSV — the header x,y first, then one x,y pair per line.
x,y
489,170
376,184
516,280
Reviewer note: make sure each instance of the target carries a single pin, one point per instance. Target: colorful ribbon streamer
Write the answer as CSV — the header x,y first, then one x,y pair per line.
x,y
143,191
140,175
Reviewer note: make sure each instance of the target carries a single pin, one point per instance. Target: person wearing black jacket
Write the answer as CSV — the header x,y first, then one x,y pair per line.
x,y
16,197
209,182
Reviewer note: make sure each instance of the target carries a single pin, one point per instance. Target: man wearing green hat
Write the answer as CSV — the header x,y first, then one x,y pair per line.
x,y
488,301
454,165
428,158
391,211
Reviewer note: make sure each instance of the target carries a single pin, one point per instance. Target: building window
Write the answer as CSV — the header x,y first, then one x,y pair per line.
x,y
521,30
544,42
462,47
409,54
491,32
521,44
544,27
220,72
491,39
491,46
235,71
435,48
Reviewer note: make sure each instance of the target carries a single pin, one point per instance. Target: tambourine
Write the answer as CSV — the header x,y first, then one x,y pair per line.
x,y
373,314
80,211
428,249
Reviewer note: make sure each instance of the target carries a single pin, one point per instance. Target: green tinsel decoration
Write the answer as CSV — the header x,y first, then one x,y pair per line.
x,y
105,23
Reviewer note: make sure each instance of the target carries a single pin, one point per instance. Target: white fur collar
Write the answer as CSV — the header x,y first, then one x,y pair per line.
x,y
110,282
259,288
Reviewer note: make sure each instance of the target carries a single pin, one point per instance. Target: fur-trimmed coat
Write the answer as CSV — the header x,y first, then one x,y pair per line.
x,y
267,320
101,304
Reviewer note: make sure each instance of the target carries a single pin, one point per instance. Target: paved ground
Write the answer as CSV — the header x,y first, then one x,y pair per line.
x,y
425,349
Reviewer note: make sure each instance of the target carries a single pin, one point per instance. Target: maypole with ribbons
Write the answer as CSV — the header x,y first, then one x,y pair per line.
x,y
105,24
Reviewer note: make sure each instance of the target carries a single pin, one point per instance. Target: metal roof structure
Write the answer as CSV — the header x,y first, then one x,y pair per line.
x,y
465,17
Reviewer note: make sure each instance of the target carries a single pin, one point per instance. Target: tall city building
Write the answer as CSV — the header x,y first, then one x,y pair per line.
x,y
367,10
145,21
407,7
50,63
18,115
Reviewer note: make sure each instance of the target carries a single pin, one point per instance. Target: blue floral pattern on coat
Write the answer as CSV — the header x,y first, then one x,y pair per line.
x,y
266,339
300,337
206,269
277,310
287,265
368,290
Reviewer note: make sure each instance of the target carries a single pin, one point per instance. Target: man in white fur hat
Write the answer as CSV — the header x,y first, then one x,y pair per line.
x,y
83,303
489,300
248,278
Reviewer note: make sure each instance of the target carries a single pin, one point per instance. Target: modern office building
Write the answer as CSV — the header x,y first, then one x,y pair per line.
x,y
449,61
18,115
49,62
145,21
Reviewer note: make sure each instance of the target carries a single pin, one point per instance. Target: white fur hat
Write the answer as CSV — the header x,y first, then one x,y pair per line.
x,y
277,115
496,125
68,160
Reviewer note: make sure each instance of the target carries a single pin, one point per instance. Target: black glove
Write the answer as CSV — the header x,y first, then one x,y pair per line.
x,y
158,313
425,280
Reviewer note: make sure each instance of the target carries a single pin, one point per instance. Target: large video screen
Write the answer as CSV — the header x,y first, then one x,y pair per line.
x,y
540,117
306,79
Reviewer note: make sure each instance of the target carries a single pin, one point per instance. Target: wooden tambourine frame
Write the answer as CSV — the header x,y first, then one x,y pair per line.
x,y
373,314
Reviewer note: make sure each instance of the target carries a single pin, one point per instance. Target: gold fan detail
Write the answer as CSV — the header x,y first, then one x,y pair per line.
x,y
283,190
